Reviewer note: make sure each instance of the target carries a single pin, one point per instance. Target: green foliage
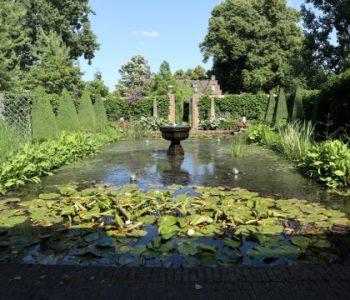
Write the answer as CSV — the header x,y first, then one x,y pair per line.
x,y
248,105
281,109
329,162
270,110
10,140
254,44
297,111
100,113
44,125
152,123
135,79
97,87
262,134
12,37
238,147
54,69
69,19
33,161
204,107
296,139
119,108
310,103
86,113
211,124
67,117
323,20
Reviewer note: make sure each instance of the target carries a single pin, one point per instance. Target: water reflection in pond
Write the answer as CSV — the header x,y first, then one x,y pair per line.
x,y
207,162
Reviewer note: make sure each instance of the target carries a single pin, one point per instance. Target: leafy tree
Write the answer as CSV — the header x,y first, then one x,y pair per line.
x,y
162,80
53,68
69,19
100,113
97,87
44,125
180,74
12,37
253,43
67,117
325,18
135,79
281,108
198,73
87,117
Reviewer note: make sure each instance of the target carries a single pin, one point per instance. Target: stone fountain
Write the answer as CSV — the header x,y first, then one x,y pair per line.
x,y
175,134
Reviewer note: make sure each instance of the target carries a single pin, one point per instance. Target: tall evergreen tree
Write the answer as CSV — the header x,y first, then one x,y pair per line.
x,y
297,112
100,112
281,108
53,68
67,117
87,115
270,110
44,125
12,37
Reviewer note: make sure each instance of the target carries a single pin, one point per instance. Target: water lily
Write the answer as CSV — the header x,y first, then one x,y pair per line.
x,y
191,232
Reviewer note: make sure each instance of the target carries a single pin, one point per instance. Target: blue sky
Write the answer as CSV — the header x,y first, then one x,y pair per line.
x,y
157,29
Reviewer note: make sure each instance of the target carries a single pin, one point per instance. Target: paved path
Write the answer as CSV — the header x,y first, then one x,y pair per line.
x,y
70,282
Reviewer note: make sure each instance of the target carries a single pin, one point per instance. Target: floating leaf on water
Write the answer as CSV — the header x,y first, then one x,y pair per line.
x,y
148,220
232,243
300,241
322,244
206,247
187,249
168,231
201,219
339,221
50,196
262,253
271,229
167,220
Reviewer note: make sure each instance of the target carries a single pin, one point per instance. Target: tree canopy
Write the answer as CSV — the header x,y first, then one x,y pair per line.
x,y
135,78
323,20
253,44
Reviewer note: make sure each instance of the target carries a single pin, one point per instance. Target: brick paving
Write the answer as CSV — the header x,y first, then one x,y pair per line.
x,y
74,282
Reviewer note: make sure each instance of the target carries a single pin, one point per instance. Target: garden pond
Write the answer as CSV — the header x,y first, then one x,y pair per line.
x,y
188,212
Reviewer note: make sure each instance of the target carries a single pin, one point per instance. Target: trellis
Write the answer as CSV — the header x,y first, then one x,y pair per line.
x,y
15,112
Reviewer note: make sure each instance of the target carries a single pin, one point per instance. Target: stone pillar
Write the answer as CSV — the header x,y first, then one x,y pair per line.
x,y
212,108
172,109
195,112
155,108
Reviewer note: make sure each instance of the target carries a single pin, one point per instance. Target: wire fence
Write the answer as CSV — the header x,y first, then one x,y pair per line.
x,y
15,112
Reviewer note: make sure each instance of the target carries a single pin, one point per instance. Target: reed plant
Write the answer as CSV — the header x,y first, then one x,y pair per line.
x,y
238,147
295,139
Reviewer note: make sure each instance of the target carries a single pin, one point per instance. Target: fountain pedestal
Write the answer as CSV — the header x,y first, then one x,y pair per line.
x,y
175,134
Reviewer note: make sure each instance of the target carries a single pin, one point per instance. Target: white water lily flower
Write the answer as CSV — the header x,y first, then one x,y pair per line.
x,y
191,232
128,194
127,223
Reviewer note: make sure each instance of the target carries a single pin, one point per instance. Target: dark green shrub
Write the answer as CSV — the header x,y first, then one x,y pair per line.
x,y
100,113
87,116
270,110
251,106
67,117
329,162
204,107
281,108
297,109
44,125
55,102
116,108
163,107
141,108
310,100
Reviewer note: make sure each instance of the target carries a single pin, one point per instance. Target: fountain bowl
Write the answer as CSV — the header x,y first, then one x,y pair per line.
x,y
175,134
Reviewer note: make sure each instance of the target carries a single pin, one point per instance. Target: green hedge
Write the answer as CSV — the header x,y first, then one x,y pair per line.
x,y
119,108
249,105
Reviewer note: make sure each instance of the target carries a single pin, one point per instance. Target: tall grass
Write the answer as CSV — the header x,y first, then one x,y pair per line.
x,y
296,139
238,147
134,130
10,140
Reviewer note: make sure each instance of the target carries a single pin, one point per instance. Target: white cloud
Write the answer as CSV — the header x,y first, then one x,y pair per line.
x,y
145,33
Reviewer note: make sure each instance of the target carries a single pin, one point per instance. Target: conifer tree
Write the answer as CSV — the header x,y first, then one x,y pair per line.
x,y
67,117
281,108
297,107
44,125
100,112
270,110
87,116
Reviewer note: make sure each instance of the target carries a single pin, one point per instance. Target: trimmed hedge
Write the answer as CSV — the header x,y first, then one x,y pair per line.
x,y
67,117
249,105
117,108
